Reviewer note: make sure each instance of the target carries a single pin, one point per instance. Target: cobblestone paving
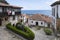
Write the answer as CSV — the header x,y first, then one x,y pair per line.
x,y
40,35
5,35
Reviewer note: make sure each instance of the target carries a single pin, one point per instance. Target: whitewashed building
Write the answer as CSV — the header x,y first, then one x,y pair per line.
x,y
56,14
24,18
56,9
40,20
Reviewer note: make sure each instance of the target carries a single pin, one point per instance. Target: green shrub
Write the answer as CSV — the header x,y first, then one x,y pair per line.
x,y
48,31
19,23
28,34
31,34
8,24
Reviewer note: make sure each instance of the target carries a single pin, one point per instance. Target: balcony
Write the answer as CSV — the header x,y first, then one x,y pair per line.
x,y
2,14
17,13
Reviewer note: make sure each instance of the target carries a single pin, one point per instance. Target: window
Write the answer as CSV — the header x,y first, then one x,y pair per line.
x,y
13,17
21,16
31,21
6,18
53,11
41,23
49,25
21,20
17,10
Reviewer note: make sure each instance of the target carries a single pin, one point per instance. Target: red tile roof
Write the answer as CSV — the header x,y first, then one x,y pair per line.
x,y
40,17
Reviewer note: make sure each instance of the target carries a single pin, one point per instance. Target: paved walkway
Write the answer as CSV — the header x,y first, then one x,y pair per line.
x,y
5,35
40,35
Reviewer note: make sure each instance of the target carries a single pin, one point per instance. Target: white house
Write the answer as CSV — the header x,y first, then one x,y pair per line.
x,y
24,18
56,13
40,20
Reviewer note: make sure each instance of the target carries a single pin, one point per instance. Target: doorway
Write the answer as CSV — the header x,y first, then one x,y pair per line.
x,y
0,21
37,23
49,25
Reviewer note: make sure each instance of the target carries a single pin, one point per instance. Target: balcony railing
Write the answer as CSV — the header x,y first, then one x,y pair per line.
x,y
18,13
2,14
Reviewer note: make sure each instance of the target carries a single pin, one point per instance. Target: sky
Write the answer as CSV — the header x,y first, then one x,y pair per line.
x,y
32,4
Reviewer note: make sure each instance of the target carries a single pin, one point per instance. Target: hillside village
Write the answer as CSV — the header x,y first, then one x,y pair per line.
x,y
15,25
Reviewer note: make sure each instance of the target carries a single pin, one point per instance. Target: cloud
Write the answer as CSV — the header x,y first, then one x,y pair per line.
x,y
33,4
40,5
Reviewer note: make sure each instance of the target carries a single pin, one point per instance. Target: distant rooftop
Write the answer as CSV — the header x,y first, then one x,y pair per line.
x,y
41,17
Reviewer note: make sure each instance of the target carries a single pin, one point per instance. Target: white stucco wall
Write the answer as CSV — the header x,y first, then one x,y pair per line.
x,y
55,9
54,17
39,23
46,25
30,22
13,21
59,10
20,17
23,18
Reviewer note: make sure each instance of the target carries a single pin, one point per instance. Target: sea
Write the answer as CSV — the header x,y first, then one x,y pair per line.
x,y
31,12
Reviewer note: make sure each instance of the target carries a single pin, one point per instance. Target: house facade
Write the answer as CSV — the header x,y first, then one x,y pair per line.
x,y
9,13
40,20
56,14
24,18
